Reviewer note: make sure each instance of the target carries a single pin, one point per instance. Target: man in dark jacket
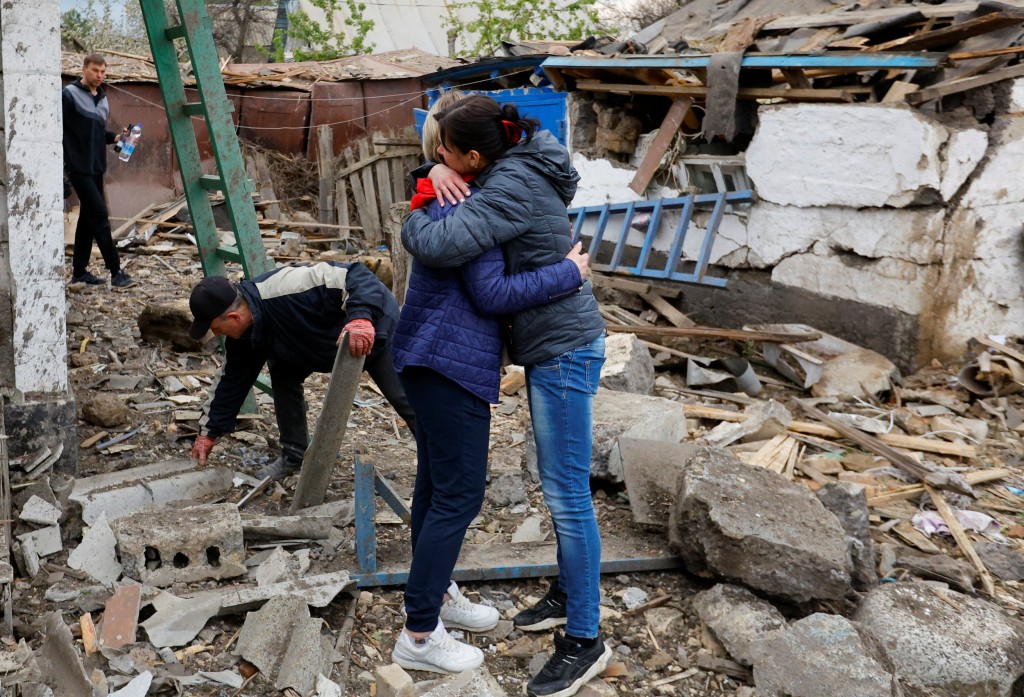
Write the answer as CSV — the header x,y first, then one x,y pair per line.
x,y
86,109
293,317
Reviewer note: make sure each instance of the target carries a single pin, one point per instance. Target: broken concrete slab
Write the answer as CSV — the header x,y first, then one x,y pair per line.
x,y
529,531
650,470
957,573
848,502
628,366
137,687
859,156
752,526
97,553
1005,561
823,655
506,490
944,641
27,557
185,545
624,415
471,683
224,677
279,566
316,591
290,527
283,641
177,621
964,151
765,420
148,487
44,541
60,665
39,512
739,620
121,617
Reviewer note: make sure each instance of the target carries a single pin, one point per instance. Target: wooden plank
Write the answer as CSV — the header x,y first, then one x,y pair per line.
x,y
384,190
897,440
796,78
123,229
944,89
372,224
964,542
1012,353
845,19
713,332
968,55
325,166
632,286
659,146
947,36
909,492
358,194
667,310
807,95
898,91
742,33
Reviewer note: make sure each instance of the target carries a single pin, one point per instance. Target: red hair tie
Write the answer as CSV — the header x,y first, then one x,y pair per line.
x,y
512,131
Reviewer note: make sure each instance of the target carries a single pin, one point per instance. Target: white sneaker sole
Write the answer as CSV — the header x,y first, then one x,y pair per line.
x,y
599,667
469,628
430,667
549,623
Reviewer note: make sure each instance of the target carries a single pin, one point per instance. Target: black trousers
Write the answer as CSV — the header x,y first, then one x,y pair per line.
x,y
290,404
93,224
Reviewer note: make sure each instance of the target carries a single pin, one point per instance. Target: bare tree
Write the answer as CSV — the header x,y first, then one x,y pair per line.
x,y
635,16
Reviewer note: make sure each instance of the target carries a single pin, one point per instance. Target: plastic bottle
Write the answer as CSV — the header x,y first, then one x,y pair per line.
x,y
128,146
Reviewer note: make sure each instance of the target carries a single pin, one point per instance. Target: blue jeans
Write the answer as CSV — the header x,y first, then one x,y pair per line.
x,y
561,392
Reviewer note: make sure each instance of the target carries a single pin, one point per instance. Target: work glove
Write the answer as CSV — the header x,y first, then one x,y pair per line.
x,y
201,449
360,336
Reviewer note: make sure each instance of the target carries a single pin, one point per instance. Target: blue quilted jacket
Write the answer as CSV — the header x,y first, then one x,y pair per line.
x,y
451,321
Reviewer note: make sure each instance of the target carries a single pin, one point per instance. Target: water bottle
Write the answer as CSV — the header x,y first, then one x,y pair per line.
x,y
128,146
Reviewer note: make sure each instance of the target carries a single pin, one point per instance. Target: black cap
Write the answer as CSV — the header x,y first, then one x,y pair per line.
x,y
210,299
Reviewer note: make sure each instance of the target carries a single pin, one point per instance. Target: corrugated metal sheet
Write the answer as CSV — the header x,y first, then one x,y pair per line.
x,y
275,119
341,105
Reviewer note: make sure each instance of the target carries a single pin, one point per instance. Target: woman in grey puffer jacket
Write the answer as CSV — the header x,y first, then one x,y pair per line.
x,y
521,206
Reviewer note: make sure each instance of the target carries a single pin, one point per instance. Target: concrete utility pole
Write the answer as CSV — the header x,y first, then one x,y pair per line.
x,y
38,410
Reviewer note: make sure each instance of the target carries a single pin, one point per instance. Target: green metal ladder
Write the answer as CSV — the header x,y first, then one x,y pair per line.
x,y
195,30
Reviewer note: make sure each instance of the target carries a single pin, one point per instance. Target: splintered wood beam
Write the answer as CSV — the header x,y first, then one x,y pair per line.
x,y
714,332
659,146
947,36
944,89
964,542
844,94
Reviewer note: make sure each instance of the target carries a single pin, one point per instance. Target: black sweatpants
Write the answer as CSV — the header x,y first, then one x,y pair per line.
x,y
93,224
452,431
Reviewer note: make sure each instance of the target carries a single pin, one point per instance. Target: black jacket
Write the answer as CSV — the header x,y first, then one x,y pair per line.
x,y
85,129
297,315
521,206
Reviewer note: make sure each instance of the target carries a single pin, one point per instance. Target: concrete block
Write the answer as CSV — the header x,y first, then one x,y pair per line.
x,y
45,541
97,554
40,512
862,155
754,527
624,415
963,153
137,687
823,655
184,545
848,502
628,365
149,490
650,470
280,566
60,665
121,617
602,182
991,186
471,683
393,681
739,620
954,644
328,688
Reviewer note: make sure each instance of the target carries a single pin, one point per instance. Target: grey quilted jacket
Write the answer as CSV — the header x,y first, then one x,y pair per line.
x,y
521,206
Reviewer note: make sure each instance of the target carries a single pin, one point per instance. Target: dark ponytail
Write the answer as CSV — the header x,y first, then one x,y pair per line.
x,y
480,123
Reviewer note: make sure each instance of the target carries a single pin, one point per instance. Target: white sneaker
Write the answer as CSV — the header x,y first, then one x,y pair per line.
x,y
440,653
459,612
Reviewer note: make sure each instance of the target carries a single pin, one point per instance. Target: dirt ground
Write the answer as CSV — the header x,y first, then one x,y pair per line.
x,y
106,321
648,646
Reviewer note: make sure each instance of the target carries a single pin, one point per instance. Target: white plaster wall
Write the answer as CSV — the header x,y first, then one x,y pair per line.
x,y
845,155
30,65
1001,179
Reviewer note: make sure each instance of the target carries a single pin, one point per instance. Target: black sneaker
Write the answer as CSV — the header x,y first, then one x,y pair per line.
x,y
87,277
279,469
546,614
571,667
122,280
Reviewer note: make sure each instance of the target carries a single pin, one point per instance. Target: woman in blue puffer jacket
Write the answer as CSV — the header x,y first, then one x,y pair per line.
x,y
447,349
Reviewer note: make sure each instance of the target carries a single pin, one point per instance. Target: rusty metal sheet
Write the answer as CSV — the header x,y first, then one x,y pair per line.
x,y
389,104
275,119
341,105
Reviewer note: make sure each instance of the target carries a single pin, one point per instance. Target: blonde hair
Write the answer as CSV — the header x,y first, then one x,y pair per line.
x,y
431,128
